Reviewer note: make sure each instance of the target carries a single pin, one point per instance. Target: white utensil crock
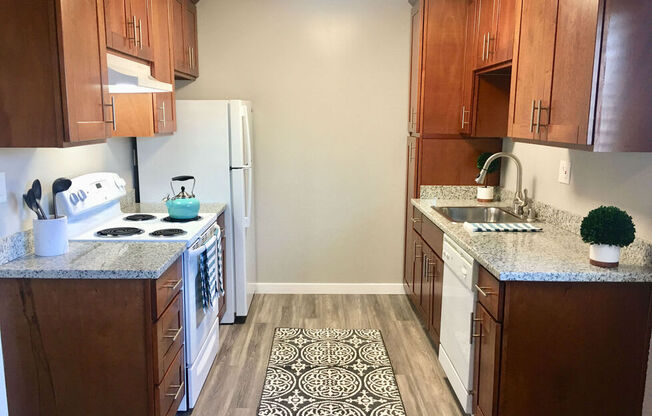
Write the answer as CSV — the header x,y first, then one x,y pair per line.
x,y
604,255
485,193
51,236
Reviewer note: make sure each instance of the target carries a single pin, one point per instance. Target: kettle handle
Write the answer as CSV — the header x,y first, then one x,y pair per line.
x,y
184,178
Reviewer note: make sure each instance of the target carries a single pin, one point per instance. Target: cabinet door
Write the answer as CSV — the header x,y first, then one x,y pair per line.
x,y
419,259
410,241
485,31
164,113
437,273
469,64
141,13
163,66
501,48
87,111
179,46
415,67
487,338
133,115
120,27
426,285
569,94
190,36
532,64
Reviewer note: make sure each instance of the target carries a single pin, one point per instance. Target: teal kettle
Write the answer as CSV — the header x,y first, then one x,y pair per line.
x,y
184,205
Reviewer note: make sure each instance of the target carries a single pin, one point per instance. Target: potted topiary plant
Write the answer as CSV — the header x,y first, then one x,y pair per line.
x,y
486,193
607,229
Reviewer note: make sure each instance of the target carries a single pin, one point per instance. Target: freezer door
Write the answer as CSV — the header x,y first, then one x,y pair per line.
x,y
241,134
244,238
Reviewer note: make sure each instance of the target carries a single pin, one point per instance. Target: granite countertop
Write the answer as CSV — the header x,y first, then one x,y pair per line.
x,y
551,255
157,207
98,260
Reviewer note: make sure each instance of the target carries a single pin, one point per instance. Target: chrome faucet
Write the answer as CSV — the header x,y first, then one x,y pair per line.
x,y
520,199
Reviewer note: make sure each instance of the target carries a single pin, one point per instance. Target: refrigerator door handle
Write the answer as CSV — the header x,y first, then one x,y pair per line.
x,y
246,140
248,180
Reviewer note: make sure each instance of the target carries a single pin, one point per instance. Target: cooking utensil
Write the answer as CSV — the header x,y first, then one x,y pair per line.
x,y
59,185
38,192
30,201
184,205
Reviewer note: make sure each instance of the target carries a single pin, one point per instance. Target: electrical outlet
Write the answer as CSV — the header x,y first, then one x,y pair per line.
x,y
564,171
3,188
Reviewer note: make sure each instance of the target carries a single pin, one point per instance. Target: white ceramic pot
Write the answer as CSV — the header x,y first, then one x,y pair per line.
x,y
485,194
604,255
51,236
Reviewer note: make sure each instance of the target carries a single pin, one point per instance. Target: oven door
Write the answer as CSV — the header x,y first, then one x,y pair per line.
x,y
199,319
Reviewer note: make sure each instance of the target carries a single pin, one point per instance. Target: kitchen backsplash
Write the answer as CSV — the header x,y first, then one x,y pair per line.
x,y
639,252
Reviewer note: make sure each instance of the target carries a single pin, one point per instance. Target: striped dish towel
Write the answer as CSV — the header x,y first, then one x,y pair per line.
x,y
208,268
516,227
220,262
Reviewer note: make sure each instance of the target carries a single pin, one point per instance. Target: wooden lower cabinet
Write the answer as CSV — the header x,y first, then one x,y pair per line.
x,y
93,347
558,348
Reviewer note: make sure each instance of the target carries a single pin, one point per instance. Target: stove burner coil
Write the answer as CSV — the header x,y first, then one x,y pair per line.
x,y
170,219
140,217
167,232
119,232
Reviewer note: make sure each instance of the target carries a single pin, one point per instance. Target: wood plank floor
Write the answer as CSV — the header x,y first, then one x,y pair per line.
x,y
235,383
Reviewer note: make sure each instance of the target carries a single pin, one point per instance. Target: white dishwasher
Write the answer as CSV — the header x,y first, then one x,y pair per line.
x,y
458,302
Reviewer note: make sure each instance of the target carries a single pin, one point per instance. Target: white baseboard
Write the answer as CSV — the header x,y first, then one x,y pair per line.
x,y
332,288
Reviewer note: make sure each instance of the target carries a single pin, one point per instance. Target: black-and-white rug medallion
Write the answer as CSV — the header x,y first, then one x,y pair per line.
x,y
329,372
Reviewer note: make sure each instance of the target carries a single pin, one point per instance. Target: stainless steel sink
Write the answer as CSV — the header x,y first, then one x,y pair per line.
x,y
477,214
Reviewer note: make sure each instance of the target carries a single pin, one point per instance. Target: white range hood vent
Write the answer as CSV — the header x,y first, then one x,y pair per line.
x,y
130,77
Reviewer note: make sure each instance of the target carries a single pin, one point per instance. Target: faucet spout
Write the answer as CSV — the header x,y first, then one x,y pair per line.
x,y
519,199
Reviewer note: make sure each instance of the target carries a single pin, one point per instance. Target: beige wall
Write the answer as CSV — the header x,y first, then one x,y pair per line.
x,y
22,166
620,179
329,83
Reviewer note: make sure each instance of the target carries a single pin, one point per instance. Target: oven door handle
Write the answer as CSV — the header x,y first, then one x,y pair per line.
x,y
196,252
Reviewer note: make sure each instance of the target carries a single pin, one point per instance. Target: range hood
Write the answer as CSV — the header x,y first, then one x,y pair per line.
x,y
130,77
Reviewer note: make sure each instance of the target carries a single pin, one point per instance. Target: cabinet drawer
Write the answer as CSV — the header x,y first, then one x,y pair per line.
x,y
433,236
172,389
168,337
490,293
166,288
417,219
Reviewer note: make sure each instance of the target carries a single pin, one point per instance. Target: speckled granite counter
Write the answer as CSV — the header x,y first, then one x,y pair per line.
x,y
98,260
551,255
216,208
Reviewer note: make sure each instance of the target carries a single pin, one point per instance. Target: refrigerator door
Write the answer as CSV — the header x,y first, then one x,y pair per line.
x,y
244,238
241,133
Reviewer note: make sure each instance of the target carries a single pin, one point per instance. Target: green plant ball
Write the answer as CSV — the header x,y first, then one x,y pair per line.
x,y
482,159
608,225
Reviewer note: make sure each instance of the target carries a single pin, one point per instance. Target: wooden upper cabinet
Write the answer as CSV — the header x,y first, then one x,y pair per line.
x,y
466,118
415,66
495,40
443,64
128,24
186,61
54,93
163,65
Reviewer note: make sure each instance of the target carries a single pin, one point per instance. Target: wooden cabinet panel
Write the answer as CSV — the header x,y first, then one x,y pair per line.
x,y
177,36
502,48
168,337
568,98
437,167
133,115
415,66
487,345
186,61
437,273
128,25
485,10
170,392
532,64
443,62
190,36
409,219
163,104
490,294
432,235
166,288
469,64
142,10
419,280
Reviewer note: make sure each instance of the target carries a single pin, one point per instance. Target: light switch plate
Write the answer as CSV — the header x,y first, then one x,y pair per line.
x,y
3,188
564,171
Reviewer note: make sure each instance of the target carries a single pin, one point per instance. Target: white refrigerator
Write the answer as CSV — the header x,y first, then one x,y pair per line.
x,y
213,143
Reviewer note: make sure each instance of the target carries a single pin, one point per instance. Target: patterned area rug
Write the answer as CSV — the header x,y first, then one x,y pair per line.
x,y
329,372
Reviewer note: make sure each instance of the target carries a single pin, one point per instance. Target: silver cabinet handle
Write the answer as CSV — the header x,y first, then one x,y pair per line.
x,y
464,111
484,45
488,44
539,109
177,332
416,220
417,246
140,33
172,285
112,121
473,321
534,104
179,388
135,31
484,291
162,107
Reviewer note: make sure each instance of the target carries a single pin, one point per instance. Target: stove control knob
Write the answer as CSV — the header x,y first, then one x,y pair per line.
x,y
82,195
74,199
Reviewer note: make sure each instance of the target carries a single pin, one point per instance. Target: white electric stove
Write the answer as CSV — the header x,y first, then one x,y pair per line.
x,y
92,205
